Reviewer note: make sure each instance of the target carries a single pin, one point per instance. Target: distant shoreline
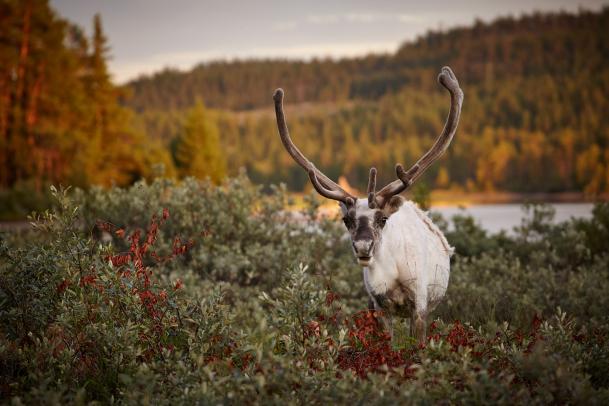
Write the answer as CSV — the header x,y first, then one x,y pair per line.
x,y
449,198
439,198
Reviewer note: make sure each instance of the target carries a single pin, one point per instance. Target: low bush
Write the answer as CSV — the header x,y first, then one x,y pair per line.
x,y
189,293
250,238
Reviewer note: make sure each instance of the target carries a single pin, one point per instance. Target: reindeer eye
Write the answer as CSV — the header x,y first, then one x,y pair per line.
x,y
382,221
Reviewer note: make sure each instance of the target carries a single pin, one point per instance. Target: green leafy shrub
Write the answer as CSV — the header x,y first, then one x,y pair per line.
x,y
541,267
84,314
249,238
191,293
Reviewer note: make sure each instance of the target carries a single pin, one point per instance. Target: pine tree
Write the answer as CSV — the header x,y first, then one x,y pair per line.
x,y
116,152
198,152
100,85
41,98
443,178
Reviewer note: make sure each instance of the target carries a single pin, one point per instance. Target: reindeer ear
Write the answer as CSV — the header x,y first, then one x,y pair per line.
x,y
343,208
393,204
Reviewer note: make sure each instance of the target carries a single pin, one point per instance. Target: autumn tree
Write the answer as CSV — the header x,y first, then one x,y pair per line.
x,y
536,88
198,152
39,92
536,96
61,117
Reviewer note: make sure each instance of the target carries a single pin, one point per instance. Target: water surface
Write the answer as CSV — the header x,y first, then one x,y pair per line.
x,y
497,217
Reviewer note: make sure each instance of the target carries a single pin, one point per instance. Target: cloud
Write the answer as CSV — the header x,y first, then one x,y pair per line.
x,y
367,18
364,17
128,70
283,26
409,18
323,19
332,50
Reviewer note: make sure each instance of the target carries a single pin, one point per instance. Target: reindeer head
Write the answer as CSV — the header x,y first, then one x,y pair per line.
x,y
365,225
366,218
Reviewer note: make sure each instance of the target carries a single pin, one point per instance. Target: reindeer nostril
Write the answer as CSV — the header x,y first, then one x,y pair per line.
x,y
363,247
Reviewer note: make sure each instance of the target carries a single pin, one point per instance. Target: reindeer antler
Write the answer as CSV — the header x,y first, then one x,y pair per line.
x,y
371,188
328,188
324,185
406,178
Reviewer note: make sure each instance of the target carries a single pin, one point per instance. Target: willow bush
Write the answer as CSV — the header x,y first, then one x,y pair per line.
x,y
182,293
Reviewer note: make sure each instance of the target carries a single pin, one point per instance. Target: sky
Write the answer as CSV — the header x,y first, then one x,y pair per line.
x,y
148,35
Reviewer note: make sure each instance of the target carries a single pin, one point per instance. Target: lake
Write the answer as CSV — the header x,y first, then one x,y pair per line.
x,y
497,217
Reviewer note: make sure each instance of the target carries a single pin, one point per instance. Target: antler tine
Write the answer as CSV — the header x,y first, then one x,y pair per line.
x,y
406,178
330,194
324,185
372,188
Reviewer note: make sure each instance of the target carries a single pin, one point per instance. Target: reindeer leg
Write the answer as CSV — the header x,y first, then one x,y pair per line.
x,y
418,323
388,324
386,320
371,304
412,318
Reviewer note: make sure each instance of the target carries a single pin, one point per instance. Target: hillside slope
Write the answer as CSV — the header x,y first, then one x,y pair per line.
x,y
534,118
540,44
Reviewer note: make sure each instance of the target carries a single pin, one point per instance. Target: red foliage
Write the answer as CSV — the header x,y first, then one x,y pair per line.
x,y
132,267
88,280
535,335
135,271
312,329
63,286
370,347
331,297
163,295
179,248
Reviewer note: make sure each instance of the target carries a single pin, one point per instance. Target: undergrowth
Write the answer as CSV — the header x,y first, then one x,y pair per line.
x,y
190,293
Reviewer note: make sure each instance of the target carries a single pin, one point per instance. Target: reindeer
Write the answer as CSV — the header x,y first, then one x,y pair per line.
x,y
405,257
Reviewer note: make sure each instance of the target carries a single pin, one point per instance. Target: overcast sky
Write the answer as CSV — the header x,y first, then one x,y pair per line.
x,y
147,35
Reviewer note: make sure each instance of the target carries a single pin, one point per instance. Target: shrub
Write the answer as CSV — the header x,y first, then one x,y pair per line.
x,y
85,316
250,239
190,293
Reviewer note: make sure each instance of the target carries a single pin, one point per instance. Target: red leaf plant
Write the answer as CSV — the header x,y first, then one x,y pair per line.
x,y
136,274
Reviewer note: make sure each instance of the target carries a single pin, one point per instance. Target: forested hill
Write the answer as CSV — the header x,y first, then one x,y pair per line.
x,y
556,45
534,118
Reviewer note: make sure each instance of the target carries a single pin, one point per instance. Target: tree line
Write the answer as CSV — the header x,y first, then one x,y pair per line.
x,y
61,119
534,118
